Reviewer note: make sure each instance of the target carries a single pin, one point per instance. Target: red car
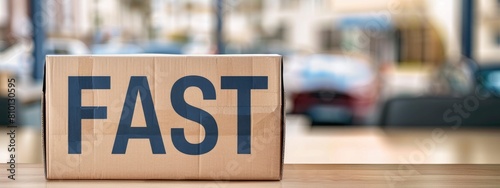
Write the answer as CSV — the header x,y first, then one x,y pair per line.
x,y
332,89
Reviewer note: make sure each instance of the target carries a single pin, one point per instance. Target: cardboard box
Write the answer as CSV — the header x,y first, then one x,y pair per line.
x,y
163,117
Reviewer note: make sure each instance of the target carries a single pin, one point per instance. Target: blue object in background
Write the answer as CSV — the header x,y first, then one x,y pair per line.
x,y
116,48
36,13
156,47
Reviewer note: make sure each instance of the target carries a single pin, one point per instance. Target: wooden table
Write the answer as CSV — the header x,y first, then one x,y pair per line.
x,y
295,175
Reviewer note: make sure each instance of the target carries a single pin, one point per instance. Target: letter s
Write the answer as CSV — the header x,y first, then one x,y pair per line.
x,y
194,114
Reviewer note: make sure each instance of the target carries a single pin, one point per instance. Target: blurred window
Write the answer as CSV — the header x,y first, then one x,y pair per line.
x,y
281,32
330,39
290,4
419,44
497,38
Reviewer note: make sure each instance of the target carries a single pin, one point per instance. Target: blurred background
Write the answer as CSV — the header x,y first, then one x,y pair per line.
x,y
379,81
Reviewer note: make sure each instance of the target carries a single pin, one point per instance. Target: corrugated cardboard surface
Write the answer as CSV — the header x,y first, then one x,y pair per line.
x,y
96,160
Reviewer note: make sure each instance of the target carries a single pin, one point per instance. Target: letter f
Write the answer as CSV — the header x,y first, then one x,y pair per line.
x,y
77,112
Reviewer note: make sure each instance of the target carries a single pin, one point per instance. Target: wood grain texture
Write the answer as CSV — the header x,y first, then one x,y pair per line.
x,y
296,175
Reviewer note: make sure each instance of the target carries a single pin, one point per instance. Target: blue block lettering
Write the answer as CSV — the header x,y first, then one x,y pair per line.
x,y
138,85
243,86
75,110
194,114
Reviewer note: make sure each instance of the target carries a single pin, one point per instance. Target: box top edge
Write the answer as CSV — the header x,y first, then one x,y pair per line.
x,y
169,55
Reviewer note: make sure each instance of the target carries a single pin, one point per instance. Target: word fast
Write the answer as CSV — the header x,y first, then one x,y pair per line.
x,y
139,84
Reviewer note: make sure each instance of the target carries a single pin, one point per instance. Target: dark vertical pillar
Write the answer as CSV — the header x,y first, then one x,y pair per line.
x,y
467,28
36,14
219,14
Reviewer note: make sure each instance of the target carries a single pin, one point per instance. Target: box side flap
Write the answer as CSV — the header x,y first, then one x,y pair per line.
x,y
282,118
44,123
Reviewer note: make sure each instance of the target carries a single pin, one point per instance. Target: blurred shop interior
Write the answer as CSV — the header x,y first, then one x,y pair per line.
x,y
365,81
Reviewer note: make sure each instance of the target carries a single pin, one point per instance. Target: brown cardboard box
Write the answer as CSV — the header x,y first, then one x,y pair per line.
x,y
163,117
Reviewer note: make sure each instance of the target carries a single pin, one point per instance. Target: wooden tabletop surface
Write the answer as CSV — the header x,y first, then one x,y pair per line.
x,y
295,175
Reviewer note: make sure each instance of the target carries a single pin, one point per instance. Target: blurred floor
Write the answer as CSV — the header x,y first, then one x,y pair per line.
x,y
373,145
350,145
28,144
